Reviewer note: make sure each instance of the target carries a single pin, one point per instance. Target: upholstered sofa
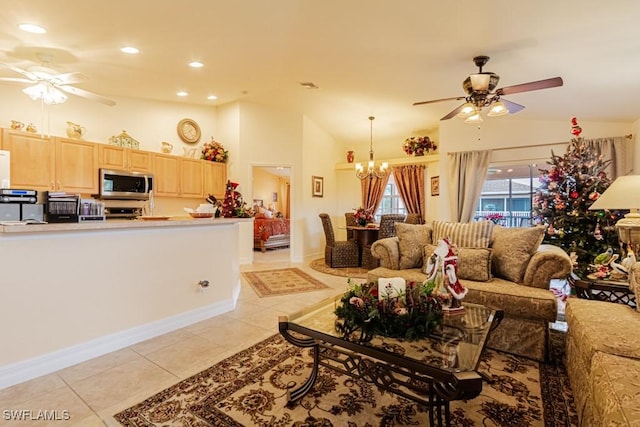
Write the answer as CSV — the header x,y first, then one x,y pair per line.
x,y
603,359
504,268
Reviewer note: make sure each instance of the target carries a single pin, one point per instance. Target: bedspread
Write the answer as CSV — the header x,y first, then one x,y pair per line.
x,y
263,228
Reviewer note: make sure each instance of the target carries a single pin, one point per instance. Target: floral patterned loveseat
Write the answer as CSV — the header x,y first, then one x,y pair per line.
x,y
603,359
505,268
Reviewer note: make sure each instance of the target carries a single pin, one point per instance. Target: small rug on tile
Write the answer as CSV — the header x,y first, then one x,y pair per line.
x,y
250,389
354,272
284,281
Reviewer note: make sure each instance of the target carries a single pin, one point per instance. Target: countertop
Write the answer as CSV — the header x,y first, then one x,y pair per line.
x,y
118,224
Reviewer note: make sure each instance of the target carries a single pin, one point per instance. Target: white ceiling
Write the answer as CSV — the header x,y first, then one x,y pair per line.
x,y
372,57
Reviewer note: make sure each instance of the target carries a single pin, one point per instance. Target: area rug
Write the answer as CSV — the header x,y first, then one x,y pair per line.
x,y
354,272
283,281
250,389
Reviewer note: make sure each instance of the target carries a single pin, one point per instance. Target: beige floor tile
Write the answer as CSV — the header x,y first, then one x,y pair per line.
x,y
14,396
96,365
181,357
153,344
61,407
114,385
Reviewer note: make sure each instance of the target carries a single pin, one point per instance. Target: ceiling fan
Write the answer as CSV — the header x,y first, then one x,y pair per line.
x,y
49,85
480,93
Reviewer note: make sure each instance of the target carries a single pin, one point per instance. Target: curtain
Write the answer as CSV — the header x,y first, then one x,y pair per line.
x,y
619,150
467,172
372,192
410,182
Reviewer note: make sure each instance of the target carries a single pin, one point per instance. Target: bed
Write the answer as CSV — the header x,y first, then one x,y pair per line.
x,y
270,233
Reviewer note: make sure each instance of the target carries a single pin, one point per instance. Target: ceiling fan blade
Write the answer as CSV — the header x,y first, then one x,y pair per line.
x,y
456,98
526,87
68,78
512,106
25,73
453,113
15,80
86,94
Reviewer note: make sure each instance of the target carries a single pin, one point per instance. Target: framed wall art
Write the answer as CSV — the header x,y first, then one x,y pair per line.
x,y
317,186
258,202
435,185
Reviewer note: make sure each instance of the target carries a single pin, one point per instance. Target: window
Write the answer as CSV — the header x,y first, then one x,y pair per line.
x,y
391,202
506,195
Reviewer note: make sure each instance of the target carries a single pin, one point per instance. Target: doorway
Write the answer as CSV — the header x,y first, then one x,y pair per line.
x,y
271,201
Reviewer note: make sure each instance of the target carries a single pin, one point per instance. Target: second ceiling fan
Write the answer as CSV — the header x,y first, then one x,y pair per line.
x,y
481,92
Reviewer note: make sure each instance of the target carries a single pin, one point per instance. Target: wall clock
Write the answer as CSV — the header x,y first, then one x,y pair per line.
x,y
189,131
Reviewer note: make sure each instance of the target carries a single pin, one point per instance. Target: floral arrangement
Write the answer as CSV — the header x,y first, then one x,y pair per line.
x,y
494,217
214,151
363,216
418,145
411,315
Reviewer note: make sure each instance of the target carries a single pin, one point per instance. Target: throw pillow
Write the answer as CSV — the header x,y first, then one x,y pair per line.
x,y
473,263
411,240
464,234
512,250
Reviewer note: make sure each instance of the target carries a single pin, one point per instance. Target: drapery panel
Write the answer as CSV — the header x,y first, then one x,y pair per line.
x,y
410,182
619,149
372,191
467,172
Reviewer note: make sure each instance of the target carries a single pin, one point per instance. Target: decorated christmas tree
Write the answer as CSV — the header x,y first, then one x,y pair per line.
x,y
229,202
567,189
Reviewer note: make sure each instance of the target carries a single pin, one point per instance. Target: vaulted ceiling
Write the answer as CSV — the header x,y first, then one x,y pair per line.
x,y
372,57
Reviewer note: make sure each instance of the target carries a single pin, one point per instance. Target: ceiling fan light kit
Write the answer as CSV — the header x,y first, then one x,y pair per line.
x,y
481,92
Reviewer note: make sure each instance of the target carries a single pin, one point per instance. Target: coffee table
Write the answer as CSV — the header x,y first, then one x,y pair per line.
x,y
432,371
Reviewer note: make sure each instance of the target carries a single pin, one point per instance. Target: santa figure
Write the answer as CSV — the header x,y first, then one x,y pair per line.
x,y
443,268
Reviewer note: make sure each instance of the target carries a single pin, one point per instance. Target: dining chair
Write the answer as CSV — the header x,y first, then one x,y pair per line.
x,y
413,218
350,220
387,229
338,253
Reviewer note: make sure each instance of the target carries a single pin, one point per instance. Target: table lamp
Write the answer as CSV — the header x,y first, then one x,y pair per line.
x,y
622,194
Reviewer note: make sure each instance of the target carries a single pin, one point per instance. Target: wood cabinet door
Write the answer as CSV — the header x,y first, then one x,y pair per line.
x,y
215,178
76,166
32,160
139,161
166,174
113,157
191,182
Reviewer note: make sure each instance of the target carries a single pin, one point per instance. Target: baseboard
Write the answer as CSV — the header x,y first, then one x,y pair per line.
x,y
41,365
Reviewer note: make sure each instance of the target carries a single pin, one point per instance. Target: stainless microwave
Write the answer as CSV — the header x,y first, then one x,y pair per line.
x,y
125,185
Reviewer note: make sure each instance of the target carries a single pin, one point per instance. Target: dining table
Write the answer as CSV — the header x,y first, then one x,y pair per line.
x,y
365,235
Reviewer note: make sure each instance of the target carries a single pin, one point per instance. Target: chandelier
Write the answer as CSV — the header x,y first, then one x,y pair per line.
x,y
379,171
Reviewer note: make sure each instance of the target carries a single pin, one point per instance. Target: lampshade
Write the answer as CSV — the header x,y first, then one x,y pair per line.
x,y
475,118
498,109
623,194
47,92
468,109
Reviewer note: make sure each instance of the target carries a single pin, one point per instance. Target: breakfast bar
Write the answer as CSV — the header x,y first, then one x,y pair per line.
x,y
104,285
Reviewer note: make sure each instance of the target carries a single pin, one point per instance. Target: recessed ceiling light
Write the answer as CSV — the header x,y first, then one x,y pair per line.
x,y
212,97
182,93
196,64
32,28
130,50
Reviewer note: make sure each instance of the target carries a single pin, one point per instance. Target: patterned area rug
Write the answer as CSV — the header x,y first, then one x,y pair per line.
x,y
250,388
354,272
283,281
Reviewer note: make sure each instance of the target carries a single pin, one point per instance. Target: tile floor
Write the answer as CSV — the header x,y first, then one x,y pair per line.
x,y
94,390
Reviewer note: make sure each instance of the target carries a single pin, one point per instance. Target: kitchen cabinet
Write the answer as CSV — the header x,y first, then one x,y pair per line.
x,y
215,178
191,179
76,166
120,158
178,176
32,160
42,163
